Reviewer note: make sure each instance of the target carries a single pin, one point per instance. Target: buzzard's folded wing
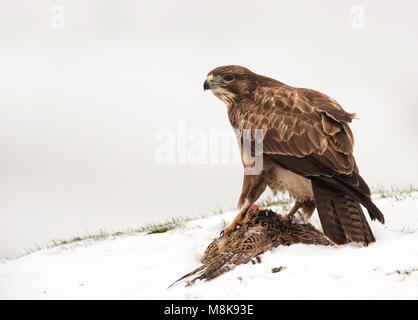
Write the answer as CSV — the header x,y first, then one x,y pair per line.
x,y
306,132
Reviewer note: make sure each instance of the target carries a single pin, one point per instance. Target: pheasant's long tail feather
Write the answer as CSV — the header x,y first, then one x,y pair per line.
x,y
188,275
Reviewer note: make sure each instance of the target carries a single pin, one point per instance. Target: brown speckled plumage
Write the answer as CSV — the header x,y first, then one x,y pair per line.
x,y
307,151
262,232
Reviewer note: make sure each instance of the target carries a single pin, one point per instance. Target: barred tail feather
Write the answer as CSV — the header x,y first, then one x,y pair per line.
x,y
341,217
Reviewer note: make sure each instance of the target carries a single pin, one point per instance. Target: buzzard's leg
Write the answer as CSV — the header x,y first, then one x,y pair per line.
x,y
239,220
252,188
295,209
308,207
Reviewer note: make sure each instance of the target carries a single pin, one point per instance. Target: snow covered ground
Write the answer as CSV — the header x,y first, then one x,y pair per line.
x,y
143,266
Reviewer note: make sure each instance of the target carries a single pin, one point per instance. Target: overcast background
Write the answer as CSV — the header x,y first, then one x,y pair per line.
x,y
81,106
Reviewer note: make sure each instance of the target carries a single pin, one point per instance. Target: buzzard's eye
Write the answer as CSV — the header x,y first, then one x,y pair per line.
x,y
229,77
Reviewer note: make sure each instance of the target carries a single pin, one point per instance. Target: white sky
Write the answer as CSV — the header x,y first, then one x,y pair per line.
x,y
80,107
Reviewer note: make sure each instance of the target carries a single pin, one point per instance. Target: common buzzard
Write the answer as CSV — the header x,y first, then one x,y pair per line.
x,y
307,150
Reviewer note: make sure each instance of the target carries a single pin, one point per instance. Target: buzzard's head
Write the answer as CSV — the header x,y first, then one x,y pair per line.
x,y
230,83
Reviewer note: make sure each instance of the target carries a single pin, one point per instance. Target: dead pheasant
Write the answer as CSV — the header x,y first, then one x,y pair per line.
x,y
263,231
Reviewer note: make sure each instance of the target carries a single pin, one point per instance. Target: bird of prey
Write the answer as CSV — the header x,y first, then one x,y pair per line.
x,y
263,231
307,150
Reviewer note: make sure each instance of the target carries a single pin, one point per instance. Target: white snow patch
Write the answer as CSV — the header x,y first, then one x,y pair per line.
x,y
143,266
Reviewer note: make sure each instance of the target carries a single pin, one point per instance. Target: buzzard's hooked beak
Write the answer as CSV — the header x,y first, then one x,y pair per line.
x,y
208,82
206,85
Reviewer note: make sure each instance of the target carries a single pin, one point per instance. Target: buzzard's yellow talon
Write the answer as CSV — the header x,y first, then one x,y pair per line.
x,y
239,221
